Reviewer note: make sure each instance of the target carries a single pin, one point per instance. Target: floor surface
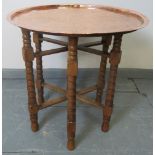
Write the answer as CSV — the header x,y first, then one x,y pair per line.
x,y
131,123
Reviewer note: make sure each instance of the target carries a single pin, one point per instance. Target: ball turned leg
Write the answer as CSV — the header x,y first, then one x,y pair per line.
x,y
107,109
72,69
114,60
106,41
39,68
28,57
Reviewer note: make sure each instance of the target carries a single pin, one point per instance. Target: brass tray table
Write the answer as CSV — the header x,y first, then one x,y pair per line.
x,y
73,21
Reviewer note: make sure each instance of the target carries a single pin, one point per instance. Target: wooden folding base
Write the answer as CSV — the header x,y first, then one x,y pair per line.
x,y
79,96
35,87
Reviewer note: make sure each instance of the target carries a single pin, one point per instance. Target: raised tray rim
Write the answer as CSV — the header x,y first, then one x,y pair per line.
x,y
139,15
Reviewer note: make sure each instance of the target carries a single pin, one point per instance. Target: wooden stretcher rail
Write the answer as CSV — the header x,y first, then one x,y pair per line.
x,y
79,95
54,88
95,43
90,50
52,102
63,91
86,90
62,43
87,100
52,51
83,47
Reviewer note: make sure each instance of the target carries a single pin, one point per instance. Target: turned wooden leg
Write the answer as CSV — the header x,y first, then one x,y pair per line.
x,y
28,57
106,41
114,60
39,68
72,69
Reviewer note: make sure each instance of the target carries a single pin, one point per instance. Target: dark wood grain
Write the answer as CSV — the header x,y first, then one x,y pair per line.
x,y
28,58
72,70
39,68
114,60
106,42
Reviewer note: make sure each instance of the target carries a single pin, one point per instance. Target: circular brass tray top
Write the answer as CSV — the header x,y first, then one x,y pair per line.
x,y
83,20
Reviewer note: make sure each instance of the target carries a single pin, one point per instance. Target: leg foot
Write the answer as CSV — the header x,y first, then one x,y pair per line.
x,y
71,145
34,122
105,126
35,127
